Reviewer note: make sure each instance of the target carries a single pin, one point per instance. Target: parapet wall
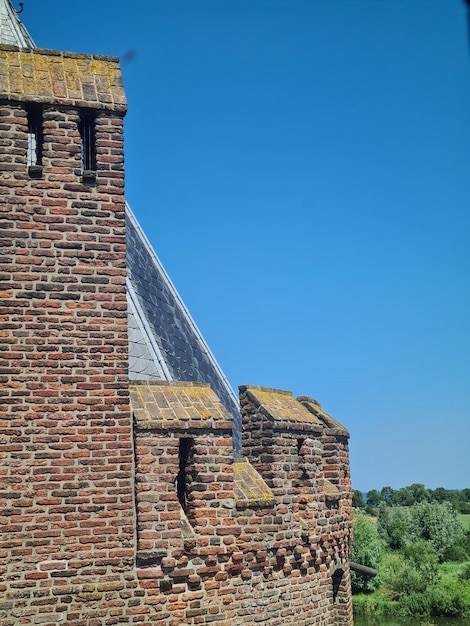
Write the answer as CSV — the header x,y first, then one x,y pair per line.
x,y
244,542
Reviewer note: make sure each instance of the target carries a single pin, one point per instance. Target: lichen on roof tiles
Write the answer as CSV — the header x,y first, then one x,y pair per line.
x,y
314,407
158,404
282,405
248,485
69,79
330,489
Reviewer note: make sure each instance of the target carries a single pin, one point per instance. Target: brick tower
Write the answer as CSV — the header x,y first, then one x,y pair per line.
x,y
66,457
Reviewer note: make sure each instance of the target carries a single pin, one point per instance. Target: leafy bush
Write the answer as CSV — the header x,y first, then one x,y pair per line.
x,y
415,604
466,540
456,553
367,550
421,551
413,571
437,523
393,524
465,573
451,599
373,606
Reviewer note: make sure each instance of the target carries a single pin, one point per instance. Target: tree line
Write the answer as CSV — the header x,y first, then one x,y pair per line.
x,y
411,495
420,549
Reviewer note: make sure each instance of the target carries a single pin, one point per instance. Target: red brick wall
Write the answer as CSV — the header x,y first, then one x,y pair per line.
x,y
70,530
67,523
298,456
246,562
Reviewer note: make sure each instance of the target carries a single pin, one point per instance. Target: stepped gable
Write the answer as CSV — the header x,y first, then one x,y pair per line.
x,y
12,30
164,341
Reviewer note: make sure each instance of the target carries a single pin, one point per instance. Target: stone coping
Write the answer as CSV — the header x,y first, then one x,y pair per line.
x,y
250,489
281,406
314,407
163,404
69,79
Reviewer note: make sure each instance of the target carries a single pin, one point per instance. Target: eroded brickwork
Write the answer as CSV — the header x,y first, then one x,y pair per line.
x,y
112,514
66,457
302,453
267,547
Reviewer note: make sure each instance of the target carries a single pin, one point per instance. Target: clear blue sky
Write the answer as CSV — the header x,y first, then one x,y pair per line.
x,y
302,169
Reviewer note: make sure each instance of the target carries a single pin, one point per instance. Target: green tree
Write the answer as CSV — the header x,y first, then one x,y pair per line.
x,y
367,550
437,523
404,497
387,494
440,495
393,524
419,493
373,498
358,499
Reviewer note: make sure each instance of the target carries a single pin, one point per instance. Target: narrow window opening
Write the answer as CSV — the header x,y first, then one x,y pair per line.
x,y
185,455
87,129
301,460
336,580
35,140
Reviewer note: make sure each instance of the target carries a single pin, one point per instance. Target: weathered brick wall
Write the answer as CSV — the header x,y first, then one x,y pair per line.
x,y
272,551
100,522
66,459
297,451
338,493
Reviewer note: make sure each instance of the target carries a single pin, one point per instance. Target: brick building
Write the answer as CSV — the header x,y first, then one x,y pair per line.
x,y
122,500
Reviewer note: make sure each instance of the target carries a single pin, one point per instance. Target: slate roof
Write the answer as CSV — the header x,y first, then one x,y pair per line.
x,y
12,31
164,341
